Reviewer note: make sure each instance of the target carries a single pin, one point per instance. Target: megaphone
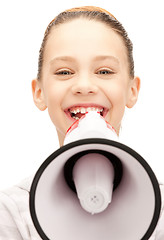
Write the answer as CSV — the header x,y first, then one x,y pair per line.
x,y
94,187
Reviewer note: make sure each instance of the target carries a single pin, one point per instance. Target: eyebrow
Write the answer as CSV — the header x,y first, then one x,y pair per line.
x,y
62,58
106,57
96,59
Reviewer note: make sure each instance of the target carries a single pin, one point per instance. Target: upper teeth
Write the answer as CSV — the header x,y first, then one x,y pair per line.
x,y
84,110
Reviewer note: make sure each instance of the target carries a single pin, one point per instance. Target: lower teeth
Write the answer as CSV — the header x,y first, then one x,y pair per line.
x,y
77,118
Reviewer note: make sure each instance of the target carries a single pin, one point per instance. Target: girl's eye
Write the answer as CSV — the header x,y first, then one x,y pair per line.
x,y
105,72
63,72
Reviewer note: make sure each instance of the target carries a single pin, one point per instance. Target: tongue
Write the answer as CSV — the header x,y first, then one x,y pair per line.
x,y
79,115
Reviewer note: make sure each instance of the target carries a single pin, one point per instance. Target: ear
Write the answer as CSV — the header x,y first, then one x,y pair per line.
x,y
134,89
38,95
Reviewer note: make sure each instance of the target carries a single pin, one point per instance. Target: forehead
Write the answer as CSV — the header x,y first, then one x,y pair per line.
x,y
83,37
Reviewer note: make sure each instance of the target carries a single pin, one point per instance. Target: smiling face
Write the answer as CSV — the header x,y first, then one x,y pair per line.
x,y
85,68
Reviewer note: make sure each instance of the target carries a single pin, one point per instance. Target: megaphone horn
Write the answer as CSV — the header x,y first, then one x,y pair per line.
x,y
94,187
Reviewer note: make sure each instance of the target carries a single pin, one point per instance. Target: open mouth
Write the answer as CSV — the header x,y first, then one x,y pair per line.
x,y
78,112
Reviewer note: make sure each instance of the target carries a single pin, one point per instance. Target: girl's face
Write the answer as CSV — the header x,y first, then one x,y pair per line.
x,y
85,68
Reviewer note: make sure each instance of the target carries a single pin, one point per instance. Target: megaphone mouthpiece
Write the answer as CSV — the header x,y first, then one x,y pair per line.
x,y
94,176
91,125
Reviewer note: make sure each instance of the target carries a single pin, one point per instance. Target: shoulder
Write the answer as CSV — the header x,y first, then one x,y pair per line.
x,y
16,196
159,231
14,211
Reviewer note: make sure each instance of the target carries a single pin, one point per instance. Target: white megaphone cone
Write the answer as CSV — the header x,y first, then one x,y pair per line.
x,y
94,187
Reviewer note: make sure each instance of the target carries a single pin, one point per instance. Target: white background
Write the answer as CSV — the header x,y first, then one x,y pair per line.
x,y
27,136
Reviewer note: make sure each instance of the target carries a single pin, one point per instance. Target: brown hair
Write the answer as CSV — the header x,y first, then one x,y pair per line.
x,y
91,13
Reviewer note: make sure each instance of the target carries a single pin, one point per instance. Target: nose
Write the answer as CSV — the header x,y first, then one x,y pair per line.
x,y
84,86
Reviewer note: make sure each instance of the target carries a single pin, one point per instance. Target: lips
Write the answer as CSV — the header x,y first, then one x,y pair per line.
x,y
76,112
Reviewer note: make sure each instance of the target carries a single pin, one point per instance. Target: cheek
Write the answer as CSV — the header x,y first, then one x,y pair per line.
x,y
53,93
52,101
53,98
56,93
117,94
